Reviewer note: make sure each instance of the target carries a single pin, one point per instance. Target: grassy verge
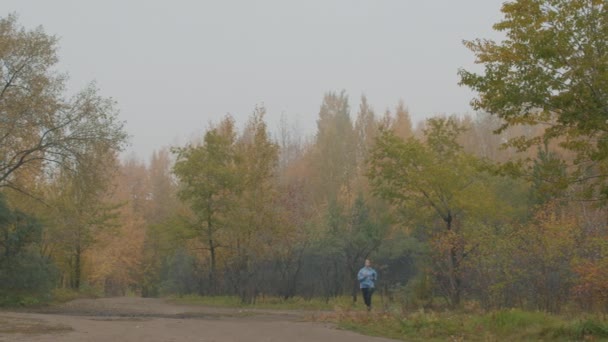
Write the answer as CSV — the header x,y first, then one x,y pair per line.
x,y
295,303
65,295
56,296
503,325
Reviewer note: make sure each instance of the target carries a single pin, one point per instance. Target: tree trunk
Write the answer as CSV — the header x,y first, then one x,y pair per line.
x,y
77,268
353,273
454,268
213,266
455,280
212,245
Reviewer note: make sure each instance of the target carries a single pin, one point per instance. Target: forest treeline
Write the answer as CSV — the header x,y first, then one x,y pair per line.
x,y
505,208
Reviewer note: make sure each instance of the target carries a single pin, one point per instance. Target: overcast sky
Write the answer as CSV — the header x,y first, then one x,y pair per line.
x,y
174,66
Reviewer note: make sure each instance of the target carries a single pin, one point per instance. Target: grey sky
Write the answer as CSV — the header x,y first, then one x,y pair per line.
x,y
174,66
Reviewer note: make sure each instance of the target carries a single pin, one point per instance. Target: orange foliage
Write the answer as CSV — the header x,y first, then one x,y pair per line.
x,y
591,289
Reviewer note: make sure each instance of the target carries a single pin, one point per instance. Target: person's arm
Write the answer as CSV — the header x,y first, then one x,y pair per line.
x,y
360,275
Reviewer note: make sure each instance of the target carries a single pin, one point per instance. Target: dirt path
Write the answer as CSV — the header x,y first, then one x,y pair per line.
x,y
146,319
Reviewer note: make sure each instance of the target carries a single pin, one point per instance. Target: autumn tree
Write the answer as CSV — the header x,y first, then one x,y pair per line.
x,y
549,70
354,233
402,124
295,217
162,206
80,209
295,211
117,253
338,166
39,128
209,182
161,187
253,218
366,129
435,180
334,158
591,285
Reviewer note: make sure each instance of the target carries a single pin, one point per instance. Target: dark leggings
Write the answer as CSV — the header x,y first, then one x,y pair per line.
x,y
367,296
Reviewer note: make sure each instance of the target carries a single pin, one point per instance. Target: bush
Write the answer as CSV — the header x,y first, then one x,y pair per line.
x,y
417,293
509,320
26,280
180,276
587,329
26,277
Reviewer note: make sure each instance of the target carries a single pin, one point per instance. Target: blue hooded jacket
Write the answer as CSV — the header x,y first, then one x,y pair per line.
x,y
367,277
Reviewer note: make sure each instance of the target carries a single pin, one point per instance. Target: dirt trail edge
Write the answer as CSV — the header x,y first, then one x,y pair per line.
x,y
149,319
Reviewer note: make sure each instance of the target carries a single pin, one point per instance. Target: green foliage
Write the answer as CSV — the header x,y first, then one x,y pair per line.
x,y
25,275
418,293
164,240
17,231
209,184
549,178
584,329
229,183
437,177
353,230
254,219
27,272
179,274
436,181
508,321
208,171
550,70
